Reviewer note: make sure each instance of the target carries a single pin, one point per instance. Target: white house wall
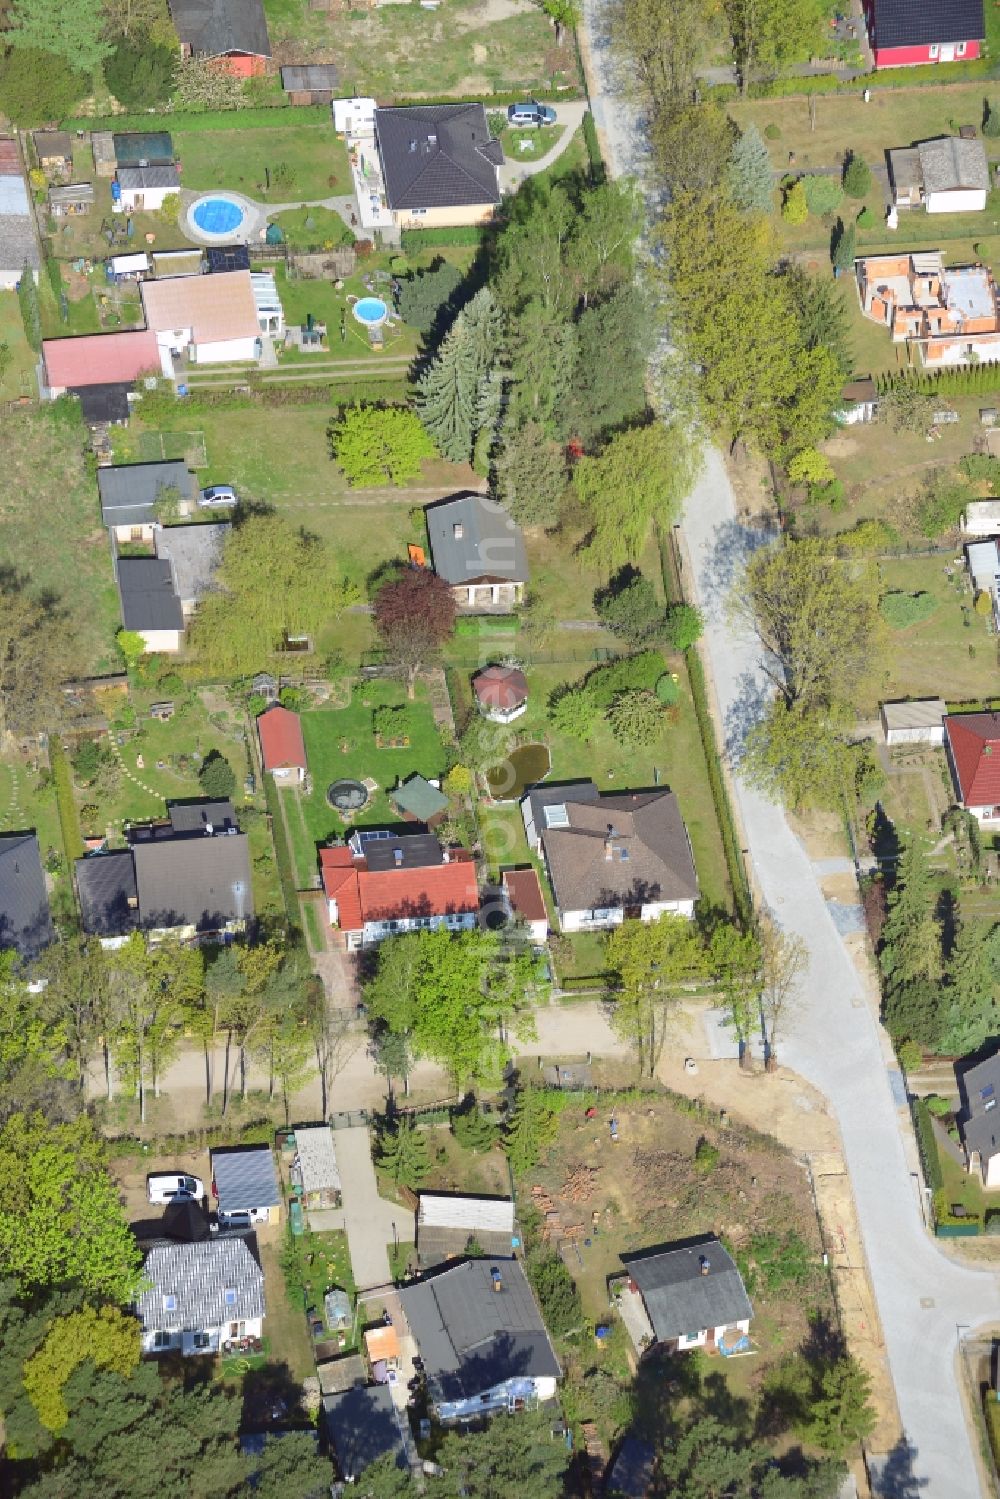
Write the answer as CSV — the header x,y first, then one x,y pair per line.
x,y
658,908
228,351
591,921
162,640
962,200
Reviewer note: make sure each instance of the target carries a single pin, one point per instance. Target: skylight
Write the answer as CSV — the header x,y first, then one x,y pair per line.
x,y
229,1296
170,1303
556,816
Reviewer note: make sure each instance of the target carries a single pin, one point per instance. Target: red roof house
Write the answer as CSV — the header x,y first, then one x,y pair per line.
x,y
501,692
526,901
99,359
282,748
378,887
905,33
972,742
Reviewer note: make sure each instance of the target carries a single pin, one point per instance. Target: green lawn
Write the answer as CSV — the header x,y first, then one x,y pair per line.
x,y
345,338
398,51
19,377
341,743
313,228
882,470
529,144
949,654
305,161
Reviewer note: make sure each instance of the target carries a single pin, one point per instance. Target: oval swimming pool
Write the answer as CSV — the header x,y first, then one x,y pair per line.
x,y
371,311
217,215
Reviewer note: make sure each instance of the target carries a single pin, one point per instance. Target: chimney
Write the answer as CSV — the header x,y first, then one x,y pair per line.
x,y
703,1264
609,843
397,856
459,530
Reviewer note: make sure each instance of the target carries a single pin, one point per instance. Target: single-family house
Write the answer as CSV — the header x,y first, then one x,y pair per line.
x,y
972,744
73,364
482,1340
314,84
143,189
452,1227
479,551
108,895
523,894
910,33
611,857
71,200
234,32
194,554
245,1185
440,164
381,884
143,148
419,800
282,747
200,1296
950,315
914,721
684,1295
980,1118
981,518
25,922
130,494
949,174
363,1425
501,693
149,602
19,245
203,320
314,1168
54,150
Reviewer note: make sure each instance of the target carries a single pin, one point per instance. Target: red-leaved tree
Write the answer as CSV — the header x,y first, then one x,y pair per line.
x,y
414,616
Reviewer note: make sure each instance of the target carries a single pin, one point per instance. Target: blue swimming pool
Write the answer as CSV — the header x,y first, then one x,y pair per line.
x,y
218,215
371,311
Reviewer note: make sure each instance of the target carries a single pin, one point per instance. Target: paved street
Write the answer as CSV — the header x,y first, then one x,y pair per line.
x,y
925,1298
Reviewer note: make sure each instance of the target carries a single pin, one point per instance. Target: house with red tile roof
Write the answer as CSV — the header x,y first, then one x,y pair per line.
x,y
972,744
523,893
382,884
282,747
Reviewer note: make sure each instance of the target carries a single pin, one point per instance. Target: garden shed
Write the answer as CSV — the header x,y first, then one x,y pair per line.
x,y
314,84
919,721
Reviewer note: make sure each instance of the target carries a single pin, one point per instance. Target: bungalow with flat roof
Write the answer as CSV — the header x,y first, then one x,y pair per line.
x,y
685,1295
479,551
144,189
245,1184
201,1297
149,602
98,359
482,1340
381,884
131,492
232,32
611,857
203,320
981,518
25,922
440,164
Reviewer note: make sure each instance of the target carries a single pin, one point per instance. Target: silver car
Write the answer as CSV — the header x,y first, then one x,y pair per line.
x,y
174,1186
217,495
530,112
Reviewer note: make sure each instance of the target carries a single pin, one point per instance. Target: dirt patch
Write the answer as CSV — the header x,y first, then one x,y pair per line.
x,y
840,447
479,53
131,1176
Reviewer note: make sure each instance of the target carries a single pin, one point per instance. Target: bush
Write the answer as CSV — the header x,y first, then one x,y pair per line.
x,y
909,1055
629,608
640,672
991,123
86,762
857,176
927,1145
984,603
868,536
823,194
772,132
684,625
392,721
940,506
667,690
795,205
981,466
36,87
865,218
706,1156
899,610
217,776
939,1107
556,1292
597,171
636,717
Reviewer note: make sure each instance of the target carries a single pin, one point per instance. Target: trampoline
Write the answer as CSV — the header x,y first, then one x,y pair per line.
x,y
347,796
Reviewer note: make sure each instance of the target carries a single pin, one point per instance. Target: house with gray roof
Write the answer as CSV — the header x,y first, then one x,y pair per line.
x,y
109,900
979,1087
946,175
363,1425
233,30
440,164
482,1340
149,602
611,857
25,922
131,492
194,554
201,1296
684,1295
144,189
200,815
19,246
479,551
245,1184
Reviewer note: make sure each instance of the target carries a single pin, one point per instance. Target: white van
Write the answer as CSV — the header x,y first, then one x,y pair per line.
x,y
174,1186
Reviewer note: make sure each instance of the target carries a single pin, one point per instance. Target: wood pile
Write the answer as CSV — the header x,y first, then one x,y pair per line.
x,y
581,1184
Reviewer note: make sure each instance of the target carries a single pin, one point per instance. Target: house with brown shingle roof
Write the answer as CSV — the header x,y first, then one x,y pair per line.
x,y
609,858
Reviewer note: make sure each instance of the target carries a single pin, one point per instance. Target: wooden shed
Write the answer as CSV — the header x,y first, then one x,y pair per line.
x,y
103,145
68,202
315,84
54,149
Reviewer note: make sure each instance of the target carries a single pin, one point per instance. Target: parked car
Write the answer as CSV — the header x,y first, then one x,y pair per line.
x,y
174,1186
530,112
217,494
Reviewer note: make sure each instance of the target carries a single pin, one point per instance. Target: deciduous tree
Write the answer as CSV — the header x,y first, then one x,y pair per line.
x,y
104,1337
783,960
636,717
614,339
636,482
68,29
414,614
629,607
32,657
379,445
649,961
769,35
664,41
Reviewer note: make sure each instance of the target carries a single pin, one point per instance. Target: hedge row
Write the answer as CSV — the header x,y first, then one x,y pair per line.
x,y
281,854
836,83
927,1145
219,119
390,391
69,822
593,145
976,380
414,240
256,1132
491,101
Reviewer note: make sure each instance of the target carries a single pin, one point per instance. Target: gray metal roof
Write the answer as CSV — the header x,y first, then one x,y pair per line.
x,y
245,1179
199,882
148,598
437,156
679,1298
52,143
916,713
198,1276
129,491
105,883
950,164
76,192
136,179
25,923
472,1337
197,816
317,76
194,553
363,1426
317,1158
212,27
981,1089
487,546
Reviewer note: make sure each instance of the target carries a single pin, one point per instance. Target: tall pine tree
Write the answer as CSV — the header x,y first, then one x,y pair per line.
x,y
449,399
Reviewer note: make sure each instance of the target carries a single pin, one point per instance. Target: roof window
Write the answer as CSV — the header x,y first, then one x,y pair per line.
x,y
229,1296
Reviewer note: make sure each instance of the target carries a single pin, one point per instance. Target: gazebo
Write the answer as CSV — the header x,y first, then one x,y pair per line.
x,y
501,693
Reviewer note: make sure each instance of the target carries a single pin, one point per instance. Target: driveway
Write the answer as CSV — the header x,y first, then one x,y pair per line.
x,y
368,1218
925,1299
513,172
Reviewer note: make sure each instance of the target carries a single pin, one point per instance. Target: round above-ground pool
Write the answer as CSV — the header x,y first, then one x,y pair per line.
x,y
347,796
217,216
371,311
